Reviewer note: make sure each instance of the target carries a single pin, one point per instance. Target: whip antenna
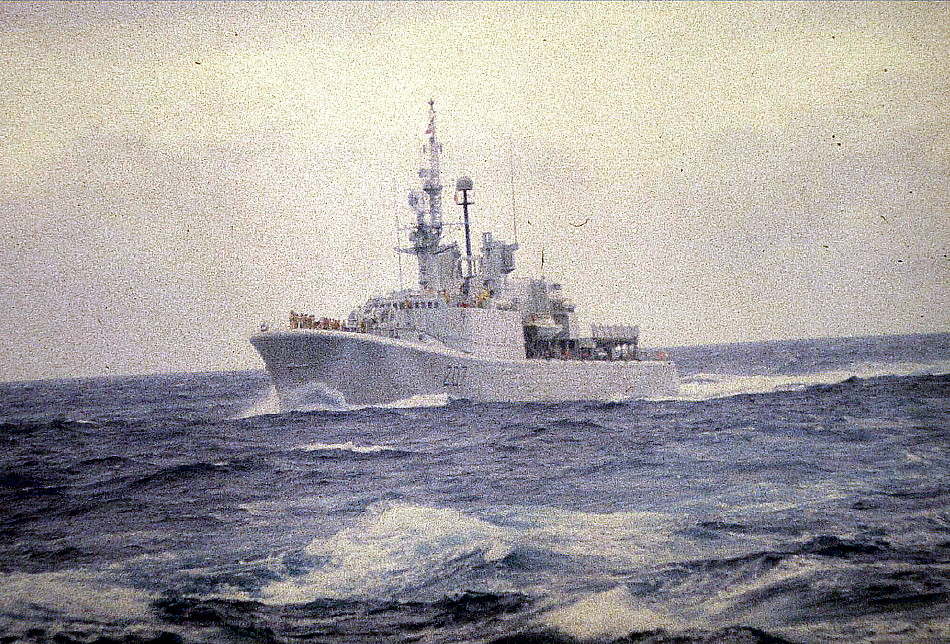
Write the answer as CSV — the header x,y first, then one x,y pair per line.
x,y
511,184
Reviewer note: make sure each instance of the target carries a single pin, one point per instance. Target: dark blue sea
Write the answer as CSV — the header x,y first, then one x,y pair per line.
x,y
794,492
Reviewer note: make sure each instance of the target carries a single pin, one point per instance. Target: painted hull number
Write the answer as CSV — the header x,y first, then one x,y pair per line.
x,y
455,375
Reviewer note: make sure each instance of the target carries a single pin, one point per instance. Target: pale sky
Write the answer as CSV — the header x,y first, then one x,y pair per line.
x,y
174,174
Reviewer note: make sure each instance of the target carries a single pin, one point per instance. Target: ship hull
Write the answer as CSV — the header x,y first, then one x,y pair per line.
x,y
364,369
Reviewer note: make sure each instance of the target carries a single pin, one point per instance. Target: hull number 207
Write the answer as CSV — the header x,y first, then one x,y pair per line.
x,y
454,375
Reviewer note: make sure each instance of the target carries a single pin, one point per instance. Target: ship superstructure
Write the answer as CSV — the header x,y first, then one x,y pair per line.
x,y
470,329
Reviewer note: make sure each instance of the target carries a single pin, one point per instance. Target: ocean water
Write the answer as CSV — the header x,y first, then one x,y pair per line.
x,y
793,492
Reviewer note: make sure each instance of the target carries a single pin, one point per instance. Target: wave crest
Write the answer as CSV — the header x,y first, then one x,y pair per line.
x,y
708,386
391,550
348,446
611,614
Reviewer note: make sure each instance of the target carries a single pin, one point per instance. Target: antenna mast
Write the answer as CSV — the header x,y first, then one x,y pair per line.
x,y
465,185
432,180
511,183
426,235
398,254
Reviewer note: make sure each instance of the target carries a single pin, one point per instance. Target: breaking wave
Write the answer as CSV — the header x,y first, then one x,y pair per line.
x,y
348,446
606,616
69,593
708,386
392,550
396,549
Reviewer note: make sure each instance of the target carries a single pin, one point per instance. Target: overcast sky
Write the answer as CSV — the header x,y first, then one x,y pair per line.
x,y
172,174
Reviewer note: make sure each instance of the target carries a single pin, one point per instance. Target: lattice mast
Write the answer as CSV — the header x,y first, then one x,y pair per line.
x,y
427,234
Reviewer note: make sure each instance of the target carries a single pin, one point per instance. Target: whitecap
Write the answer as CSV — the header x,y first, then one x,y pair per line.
x,y
349,446
607,615
708,386
636,538
399,548
76,594
390,550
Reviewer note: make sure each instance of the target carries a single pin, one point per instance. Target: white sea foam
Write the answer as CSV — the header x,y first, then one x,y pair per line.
x,y
75,594
609,614
313,396
732,600
394,548
706,386
345,447
267,403
424,400
637,538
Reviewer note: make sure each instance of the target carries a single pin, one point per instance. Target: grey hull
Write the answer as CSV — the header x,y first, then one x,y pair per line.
x,y
365,369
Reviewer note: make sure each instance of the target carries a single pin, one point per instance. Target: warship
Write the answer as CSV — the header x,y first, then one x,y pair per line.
x,y
471,330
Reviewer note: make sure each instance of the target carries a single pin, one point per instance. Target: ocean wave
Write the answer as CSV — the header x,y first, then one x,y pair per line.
x,y
467,616
391,550
317,397
69,594
311,396
810,586
623,538
708,386
824,577
348,446
58,425
394,549
727,635
178,475
607,615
